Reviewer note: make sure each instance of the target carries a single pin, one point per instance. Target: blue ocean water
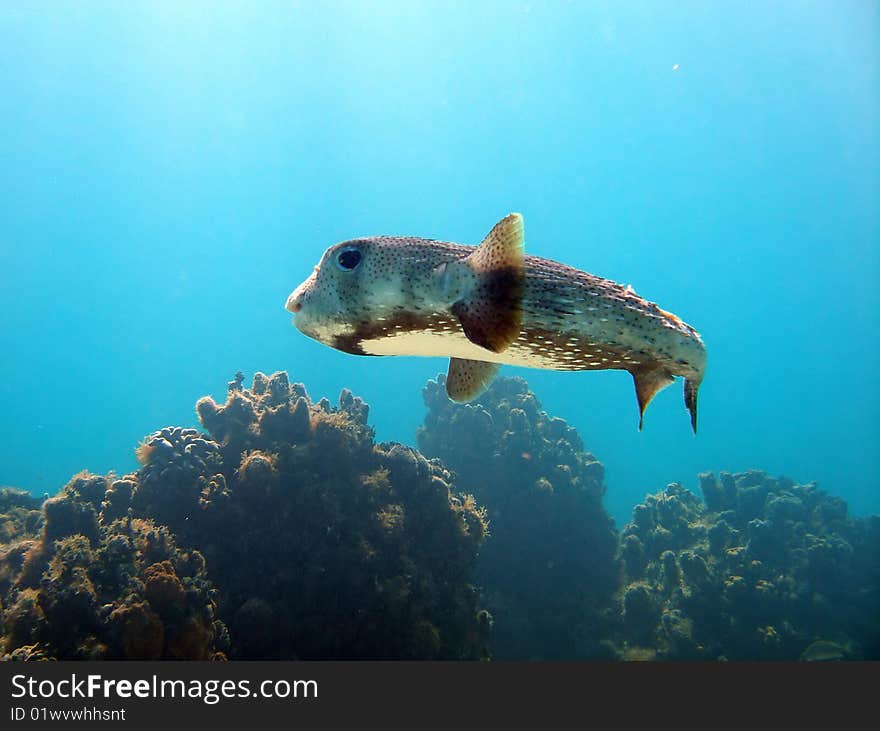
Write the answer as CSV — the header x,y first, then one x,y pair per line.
x,y
170,171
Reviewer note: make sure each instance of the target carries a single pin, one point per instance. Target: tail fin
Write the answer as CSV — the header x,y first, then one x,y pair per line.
x,y
690,399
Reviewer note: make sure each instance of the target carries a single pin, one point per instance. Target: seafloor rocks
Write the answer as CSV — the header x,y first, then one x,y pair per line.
x,y
764,569
548,570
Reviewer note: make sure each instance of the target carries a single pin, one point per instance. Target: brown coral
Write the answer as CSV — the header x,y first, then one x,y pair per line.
x,y
359,544
125,591
363,550
137,631
163,588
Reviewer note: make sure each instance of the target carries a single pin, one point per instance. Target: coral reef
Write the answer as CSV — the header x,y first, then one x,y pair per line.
x,y
20,524
19,515
321,544
284,531
90,588
325,544
548,570
764,569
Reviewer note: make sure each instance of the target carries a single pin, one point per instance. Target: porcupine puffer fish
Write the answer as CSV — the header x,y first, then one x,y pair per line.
x,y
491,304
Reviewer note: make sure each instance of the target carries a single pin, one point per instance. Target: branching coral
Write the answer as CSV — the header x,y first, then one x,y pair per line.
x,y
549,568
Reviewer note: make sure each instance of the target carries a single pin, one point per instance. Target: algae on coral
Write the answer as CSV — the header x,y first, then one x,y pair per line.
x,y
319,544
763,569
286,531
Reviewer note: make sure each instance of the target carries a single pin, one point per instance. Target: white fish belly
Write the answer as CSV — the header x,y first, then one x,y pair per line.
x,y
456,345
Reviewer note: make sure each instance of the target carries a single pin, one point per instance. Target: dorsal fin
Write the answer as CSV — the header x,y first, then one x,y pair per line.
x,y
649,381
503,246
467,379
491,313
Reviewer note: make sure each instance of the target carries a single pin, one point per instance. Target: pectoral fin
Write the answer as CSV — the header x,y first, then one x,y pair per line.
x,y
491,312
648,382
467,379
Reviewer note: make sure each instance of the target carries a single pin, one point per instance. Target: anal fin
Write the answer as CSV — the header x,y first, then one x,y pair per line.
x,y
649,381
467,379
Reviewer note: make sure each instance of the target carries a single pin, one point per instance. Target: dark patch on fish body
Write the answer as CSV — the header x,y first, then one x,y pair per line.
x,y
498,290
401,322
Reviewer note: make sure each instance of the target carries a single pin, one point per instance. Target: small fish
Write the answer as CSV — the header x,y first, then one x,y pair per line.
x,y
491,304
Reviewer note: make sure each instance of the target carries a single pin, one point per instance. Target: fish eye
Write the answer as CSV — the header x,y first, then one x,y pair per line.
x,y
348,258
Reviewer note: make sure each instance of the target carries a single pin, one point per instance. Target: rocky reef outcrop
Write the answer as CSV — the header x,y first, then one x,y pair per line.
x,y
93,588
20,523
549,569
281,532
326,544
761,568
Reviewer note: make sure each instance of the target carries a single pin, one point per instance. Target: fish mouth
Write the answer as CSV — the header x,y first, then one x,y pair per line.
x,y
294,302
302,316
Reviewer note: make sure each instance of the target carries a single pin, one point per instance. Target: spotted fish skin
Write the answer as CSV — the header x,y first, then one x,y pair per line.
x,y
421,297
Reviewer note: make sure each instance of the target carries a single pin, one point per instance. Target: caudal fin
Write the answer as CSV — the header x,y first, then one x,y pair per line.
x,y
690,400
